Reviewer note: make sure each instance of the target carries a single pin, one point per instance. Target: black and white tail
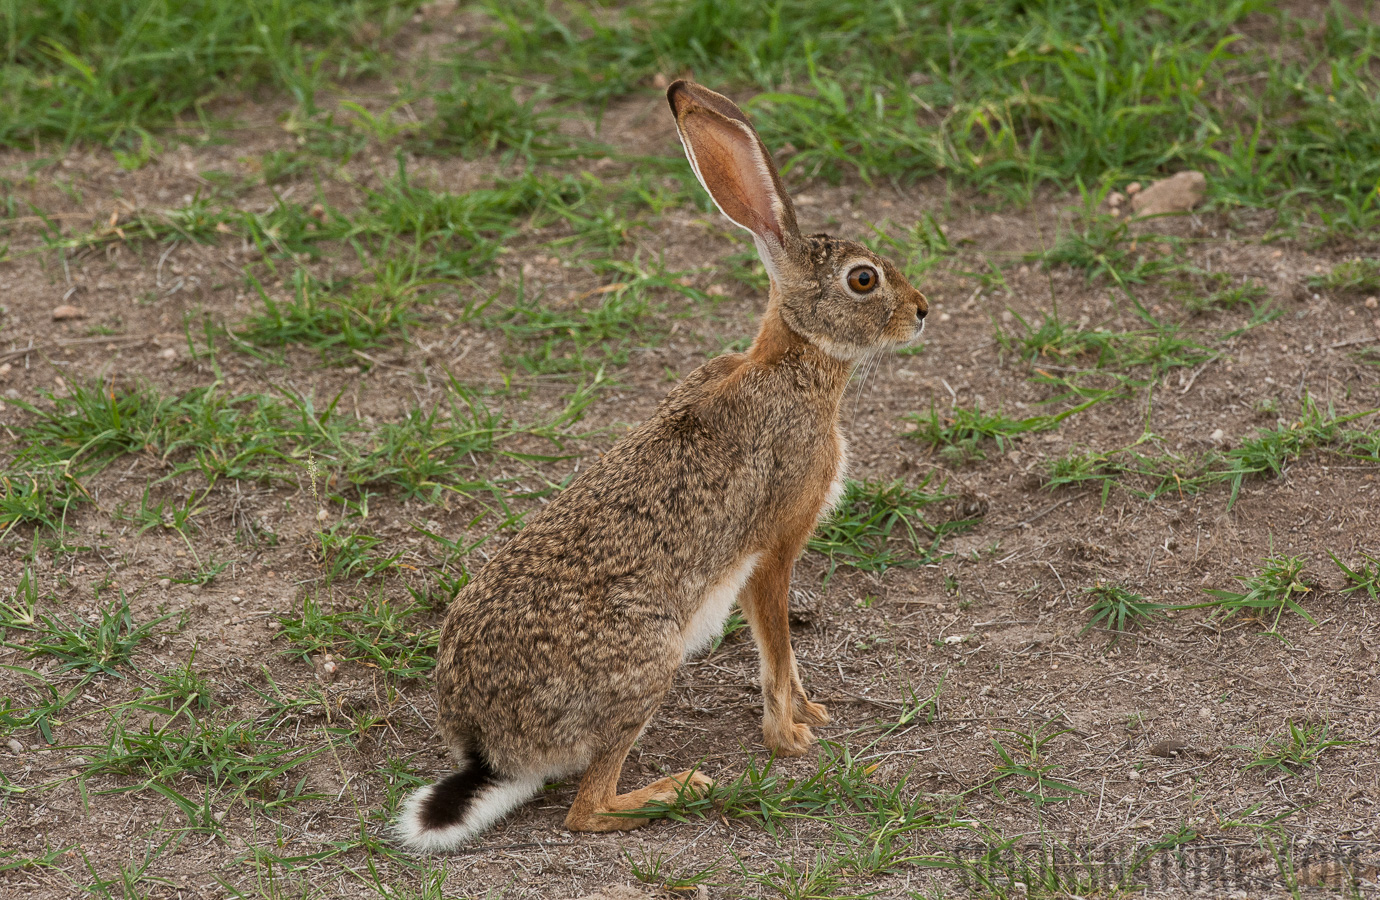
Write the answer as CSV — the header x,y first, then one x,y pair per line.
x,y
444,815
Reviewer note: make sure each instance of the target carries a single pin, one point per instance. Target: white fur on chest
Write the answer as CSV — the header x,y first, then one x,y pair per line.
x,y
708,621
836,486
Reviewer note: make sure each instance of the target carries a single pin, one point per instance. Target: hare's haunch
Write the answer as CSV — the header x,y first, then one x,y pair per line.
x,y
554,658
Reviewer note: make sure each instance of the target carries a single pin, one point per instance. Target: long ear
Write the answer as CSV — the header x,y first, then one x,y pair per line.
x,y
735,168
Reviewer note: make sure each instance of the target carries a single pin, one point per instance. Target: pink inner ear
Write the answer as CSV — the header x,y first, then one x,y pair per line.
x,y
728,160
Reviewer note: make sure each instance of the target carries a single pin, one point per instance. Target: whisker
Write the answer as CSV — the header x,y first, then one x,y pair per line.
x,y
869,364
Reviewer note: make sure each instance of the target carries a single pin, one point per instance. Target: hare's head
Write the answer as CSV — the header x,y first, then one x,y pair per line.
x,y
835,293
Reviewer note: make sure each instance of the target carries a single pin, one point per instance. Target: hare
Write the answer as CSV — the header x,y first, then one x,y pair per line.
x,y
554,658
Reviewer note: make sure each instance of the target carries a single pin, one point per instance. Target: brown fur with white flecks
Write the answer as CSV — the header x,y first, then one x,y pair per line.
x,y
553,659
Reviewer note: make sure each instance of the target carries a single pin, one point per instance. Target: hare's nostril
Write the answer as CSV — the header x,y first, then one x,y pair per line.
x,y
920,313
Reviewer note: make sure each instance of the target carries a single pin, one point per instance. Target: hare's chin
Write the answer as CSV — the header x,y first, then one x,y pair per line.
x,y
840,350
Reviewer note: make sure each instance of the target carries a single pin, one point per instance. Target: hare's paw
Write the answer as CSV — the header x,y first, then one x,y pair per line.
x,y
690,784
612,815
789,738
810,713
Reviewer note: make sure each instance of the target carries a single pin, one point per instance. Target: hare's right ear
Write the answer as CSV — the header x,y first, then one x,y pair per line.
x,y
735,168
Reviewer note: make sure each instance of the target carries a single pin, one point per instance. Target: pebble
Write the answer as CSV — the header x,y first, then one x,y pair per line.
x,y
1204,713
1177,193
165,582
1372,302
1133,775
15,747
1219,437
68,311
168,353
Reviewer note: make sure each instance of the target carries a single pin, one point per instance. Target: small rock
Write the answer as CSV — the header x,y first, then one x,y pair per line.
x,y
15,747
1133,775
1115,199
1218,437
1178,193
1133,188
1168,749
1204,713
165,582
1372,302
168,353
322,515
67,311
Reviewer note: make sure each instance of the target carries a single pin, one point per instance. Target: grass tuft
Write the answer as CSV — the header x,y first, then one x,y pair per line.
x,y
1275,588
1119,609
1299,748
99,645
1365,577
864,528
1360,275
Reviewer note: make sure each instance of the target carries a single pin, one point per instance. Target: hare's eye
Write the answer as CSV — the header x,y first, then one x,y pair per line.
x,y
862,279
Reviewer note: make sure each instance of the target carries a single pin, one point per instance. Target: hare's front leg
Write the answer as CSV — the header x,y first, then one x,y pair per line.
x,y
765,603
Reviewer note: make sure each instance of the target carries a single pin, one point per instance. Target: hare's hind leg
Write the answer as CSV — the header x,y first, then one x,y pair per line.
x,y
789,713
598,804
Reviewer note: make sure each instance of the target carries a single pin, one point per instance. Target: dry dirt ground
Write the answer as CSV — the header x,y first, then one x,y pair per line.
x,y
1154,730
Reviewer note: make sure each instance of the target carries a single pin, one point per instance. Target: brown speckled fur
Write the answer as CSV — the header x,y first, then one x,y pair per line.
x,y
556,655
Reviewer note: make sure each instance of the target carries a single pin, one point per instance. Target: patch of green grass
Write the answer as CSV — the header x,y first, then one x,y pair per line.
x,y
337,319
1218,292
460,234
231,759
475,115
960,435
395,639
1269,451
1364,577
1026,772
652,867
872,822
1277,587
1299,748
114,70
1360,275
427,453
98,645
1106,354
1266,454
568,339
41,498
1002,95
879,525
1105,246
916,249
1144,475
1119,609
347,553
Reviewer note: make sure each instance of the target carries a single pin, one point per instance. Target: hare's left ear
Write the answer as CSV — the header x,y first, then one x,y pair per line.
x,y
734,166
